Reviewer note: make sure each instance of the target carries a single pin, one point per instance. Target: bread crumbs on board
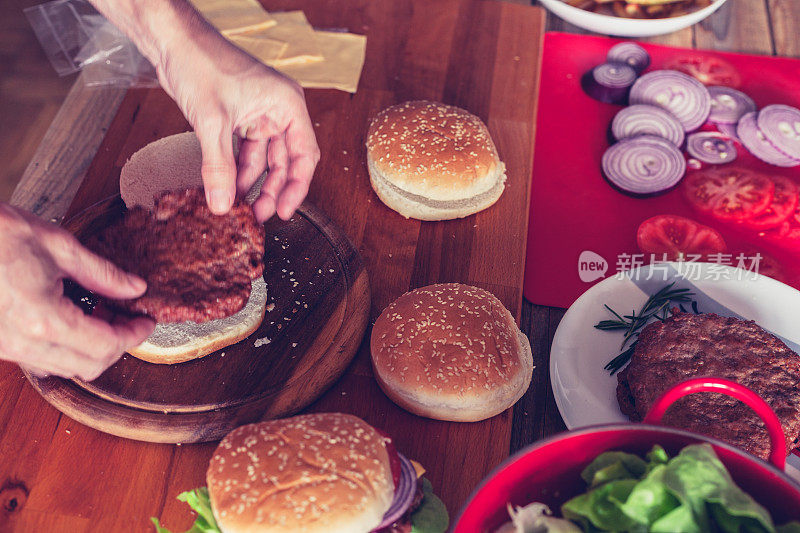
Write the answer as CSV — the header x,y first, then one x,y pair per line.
x,y
261,342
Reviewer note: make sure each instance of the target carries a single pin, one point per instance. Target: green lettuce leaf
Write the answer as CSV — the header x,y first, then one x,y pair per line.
x,y
692,492
601,507
679,519
699,480
656,456
199,501
613,465
431,516
650,499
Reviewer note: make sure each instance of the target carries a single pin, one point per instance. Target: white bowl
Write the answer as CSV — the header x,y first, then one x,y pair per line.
x,y
624,27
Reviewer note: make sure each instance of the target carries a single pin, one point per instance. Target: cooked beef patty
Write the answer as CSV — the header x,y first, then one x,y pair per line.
x,y
198,266
688,346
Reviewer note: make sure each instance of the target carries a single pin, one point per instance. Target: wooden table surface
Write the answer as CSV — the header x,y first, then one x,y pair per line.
x,y
38,457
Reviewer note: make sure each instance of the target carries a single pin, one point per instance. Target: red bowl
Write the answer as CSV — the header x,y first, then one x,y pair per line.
x,y
549,471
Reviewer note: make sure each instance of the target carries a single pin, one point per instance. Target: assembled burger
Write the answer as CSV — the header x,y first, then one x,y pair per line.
x,y
323,472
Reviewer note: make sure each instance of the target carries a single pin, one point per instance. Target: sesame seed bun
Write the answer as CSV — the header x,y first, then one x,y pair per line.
x,y
432,161
323,472
451,352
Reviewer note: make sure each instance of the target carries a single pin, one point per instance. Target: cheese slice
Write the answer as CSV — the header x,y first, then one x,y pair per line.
x,y
292,28
268,51
232,17
344,58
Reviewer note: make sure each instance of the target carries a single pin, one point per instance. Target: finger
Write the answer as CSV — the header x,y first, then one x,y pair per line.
x,y
264,207
91,271
132,331
52,359
96,338
252,163
219,167
303,156
278,161
296,188
35,371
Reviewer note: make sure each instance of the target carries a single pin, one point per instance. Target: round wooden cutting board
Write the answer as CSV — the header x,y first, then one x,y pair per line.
x,y
318,303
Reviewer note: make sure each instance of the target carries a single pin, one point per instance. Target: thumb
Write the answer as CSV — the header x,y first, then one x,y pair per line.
x,y
94,272
219,167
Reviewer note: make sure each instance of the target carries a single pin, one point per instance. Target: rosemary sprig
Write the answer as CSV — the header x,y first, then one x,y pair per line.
x,y
657,307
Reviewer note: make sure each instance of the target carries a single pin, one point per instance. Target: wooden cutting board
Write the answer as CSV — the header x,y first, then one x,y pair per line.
x,y
480,55
318,305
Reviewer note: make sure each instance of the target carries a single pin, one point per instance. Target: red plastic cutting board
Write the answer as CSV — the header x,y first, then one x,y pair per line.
x,y
573,208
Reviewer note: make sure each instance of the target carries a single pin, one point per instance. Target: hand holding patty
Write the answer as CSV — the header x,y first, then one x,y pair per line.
x,y
39,327
223,91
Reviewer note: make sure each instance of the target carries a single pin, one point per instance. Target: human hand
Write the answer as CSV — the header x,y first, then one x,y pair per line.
x,y
224,91
40,328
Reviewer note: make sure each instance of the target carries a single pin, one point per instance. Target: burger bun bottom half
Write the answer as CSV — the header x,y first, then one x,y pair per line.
x,y
183,341
168,164
422,208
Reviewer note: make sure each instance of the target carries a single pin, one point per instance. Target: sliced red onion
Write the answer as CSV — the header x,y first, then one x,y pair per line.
x,y
728,105
754,140
403,493
643,165
644,119
609,82
729,130
631,54
710,147
780,124
683,96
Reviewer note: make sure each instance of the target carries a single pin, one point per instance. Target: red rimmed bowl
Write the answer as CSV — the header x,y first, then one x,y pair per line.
x,y
549,470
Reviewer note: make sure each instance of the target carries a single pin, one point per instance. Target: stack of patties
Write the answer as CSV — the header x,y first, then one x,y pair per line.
x,y
432,161
317,473
688,346
204,278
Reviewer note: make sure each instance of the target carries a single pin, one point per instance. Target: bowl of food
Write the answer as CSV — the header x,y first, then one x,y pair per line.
x,y
633,18
640,477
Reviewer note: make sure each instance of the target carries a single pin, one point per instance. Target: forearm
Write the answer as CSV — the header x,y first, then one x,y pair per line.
x,y
156,26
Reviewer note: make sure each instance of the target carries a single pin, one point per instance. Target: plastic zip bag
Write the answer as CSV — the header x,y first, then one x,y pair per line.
x,y
76,37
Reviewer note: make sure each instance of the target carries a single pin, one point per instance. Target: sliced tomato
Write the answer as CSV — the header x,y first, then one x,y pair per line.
x,y
785,236
783,206
708,69
776,234
729,193
791,238
678,237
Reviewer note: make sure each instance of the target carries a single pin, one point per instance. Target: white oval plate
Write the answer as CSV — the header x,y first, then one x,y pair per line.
x,y
586,394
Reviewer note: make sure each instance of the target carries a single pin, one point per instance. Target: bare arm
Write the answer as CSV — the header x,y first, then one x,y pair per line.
x,y
223,91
